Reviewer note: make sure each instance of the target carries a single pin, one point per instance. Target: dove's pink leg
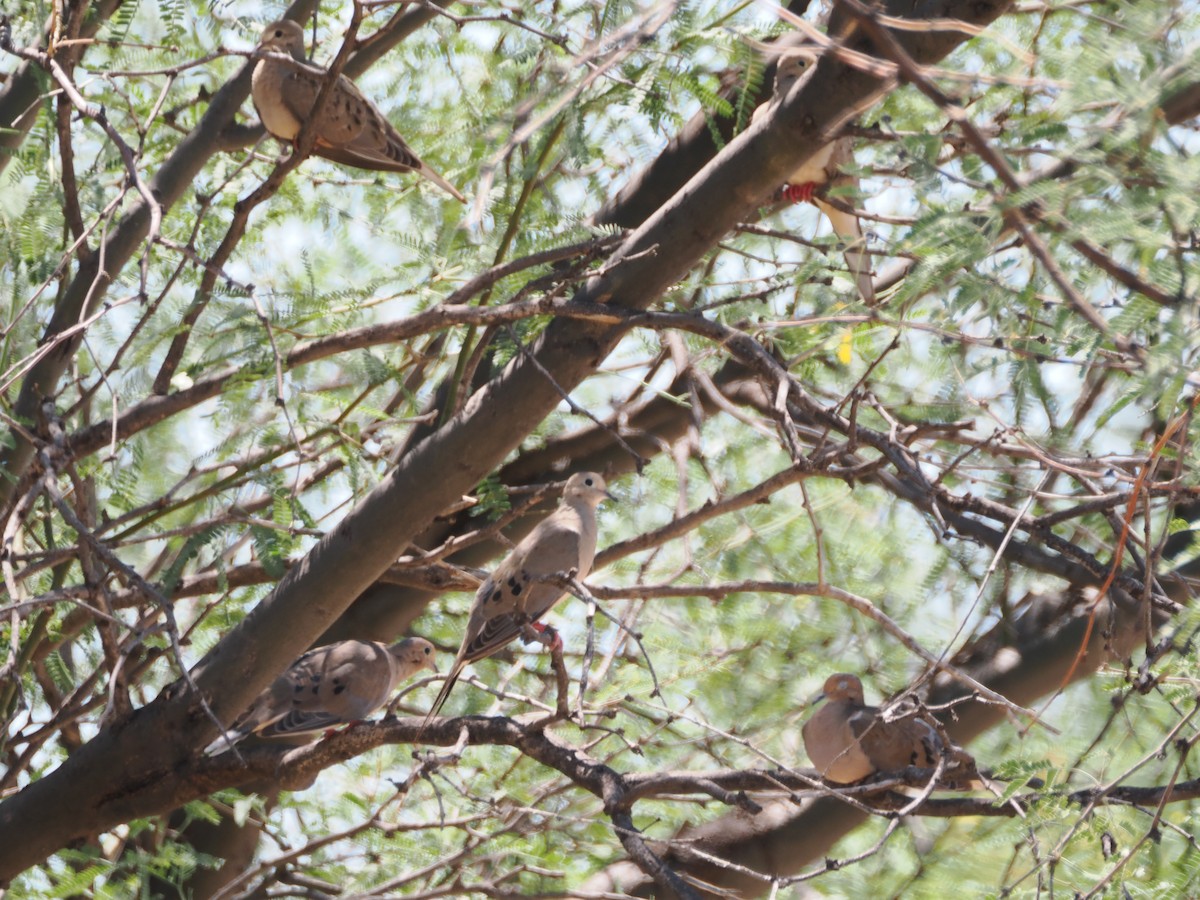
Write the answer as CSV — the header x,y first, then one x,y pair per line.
x,y
554,641
799,193
330,732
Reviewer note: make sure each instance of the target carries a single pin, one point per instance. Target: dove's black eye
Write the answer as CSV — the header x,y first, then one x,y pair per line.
x,y
278,32
588,482
428,650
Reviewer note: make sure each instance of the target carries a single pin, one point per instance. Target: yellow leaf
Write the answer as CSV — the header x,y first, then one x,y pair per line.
x,y
845,347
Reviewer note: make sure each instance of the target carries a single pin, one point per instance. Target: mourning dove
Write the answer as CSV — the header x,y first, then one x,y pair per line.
x,y
793,64
847,740
330,685
513,596
351,129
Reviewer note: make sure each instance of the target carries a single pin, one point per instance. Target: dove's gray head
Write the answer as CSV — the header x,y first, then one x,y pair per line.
x,y
286,36
792,65
843,686
588,487
415,652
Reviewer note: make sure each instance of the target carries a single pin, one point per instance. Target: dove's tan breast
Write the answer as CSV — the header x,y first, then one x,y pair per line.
x,y
266,87
831,745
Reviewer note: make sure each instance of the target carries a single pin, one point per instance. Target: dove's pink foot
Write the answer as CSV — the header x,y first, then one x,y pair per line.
x,y
330,732
555,642
799,193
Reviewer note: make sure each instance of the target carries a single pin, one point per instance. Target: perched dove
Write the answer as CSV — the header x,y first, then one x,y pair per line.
x,y
847,740
331,685
793,64
512,597
351,130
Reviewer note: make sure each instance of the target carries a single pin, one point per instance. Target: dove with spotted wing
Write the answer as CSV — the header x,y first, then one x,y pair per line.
x,y
513,596
351,130
328,686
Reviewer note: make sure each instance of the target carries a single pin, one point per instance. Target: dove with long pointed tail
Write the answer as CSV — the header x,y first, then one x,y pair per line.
x,y
825,167
350,130
514,595
329,686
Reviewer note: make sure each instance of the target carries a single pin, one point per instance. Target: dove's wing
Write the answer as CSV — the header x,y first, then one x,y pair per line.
x,y
895,745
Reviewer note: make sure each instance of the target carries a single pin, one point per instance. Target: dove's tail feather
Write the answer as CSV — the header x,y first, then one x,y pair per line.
x,y
375,162
962,774
973,781
442,183
297,722
847,227
226,741
443,694
860,264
